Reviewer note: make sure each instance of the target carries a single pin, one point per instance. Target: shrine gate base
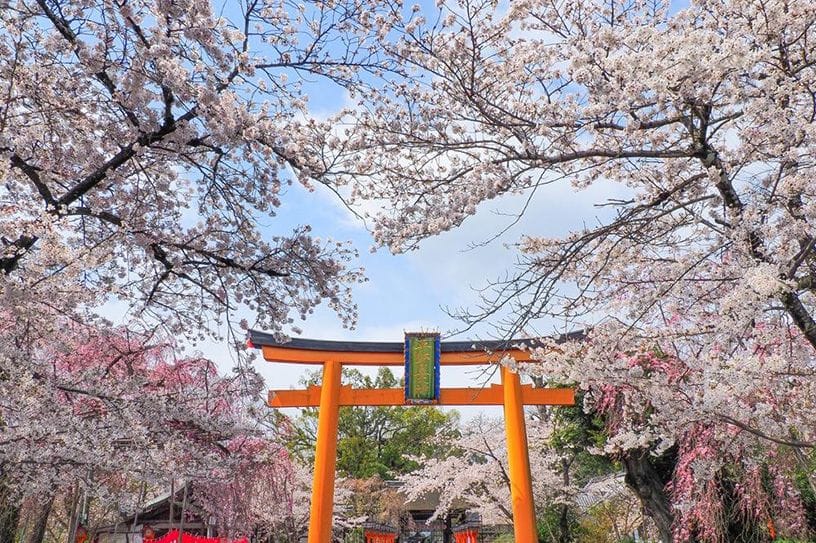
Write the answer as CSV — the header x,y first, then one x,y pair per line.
x,y
468,534
377,533
331,395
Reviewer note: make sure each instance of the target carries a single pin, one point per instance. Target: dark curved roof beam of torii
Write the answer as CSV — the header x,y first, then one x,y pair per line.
x,y
374,353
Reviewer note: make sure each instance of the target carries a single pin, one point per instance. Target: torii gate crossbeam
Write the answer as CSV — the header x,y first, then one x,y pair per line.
x,y
328,397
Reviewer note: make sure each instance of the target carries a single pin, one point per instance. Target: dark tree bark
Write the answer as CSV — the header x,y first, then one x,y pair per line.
x,y
564,535
647,477
9,511
40,516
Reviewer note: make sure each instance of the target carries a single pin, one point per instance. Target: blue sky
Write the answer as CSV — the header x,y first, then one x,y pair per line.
x,y
407,292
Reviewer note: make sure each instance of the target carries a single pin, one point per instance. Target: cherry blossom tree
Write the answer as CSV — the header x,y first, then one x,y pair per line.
x,y
474,470
144,143
144,149
262,492
97,410
694,283
364,500
671,425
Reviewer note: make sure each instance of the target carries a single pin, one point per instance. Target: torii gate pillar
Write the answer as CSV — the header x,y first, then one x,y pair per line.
x,y
320,518
521,487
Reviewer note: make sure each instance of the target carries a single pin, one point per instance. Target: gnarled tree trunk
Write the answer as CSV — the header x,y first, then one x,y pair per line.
x,y
647,477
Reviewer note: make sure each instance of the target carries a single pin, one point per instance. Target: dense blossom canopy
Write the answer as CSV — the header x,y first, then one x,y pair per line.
x,y
143,143
695,282
144,149
475,471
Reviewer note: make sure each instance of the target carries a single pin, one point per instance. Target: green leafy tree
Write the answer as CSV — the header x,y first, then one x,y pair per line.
x,y
575,433
376,441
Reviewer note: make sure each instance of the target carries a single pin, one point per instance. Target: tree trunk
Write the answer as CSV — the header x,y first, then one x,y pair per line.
x,y
9,512
8,521
40,521
564,535
647,478
73,517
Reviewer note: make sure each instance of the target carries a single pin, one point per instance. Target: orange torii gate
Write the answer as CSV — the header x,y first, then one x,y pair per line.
x,y
331,395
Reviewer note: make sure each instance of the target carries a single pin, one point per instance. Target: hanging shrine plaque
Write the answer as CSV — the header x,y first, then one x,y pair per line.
x,y
422,353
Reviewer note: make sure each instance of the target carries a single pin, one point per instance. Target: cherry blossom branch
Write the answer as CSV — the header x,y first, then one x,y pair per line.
x,y
763,435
